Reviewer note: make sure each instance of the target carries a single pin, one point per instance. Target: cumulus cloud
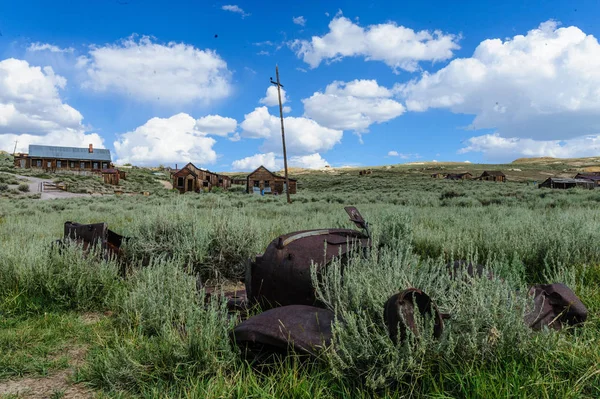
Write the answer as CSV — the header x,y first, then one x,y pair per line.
x,y
174,73
393,154
271,99
236,9
267,160
37,46
397,46
31,110
177,139
299,20
302,135
353,106
544,85
216,124
273,162
497,148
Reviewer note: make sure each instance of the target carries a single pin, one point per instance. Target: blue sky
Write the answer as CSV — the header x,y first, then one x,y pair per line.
x,y
367,83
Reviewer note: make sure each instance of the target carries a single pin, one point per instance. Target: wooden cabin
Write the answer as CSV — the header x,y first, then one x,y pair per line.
x,y
194,179
592,177
438,175
264,181
561,183
58,159
111,176
492,175
365,172
238,182
459,176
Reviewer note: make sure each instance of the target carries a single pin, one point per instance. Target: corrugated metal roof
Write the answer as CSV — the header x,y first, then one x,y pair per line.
x,y
47,151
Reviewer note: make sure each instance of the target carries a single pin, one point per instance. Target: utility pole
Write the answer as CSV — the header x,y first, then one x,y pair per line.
x,y
15,150
287,180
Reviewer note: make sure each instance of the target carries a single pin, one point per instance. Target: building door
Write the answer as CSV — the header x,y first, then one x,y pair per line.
x,y
22,163
190,185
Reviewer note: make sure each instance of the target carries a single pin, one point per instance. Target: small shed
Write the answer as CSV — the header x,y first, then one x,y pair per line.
x,y
438,175
111,176
561,183
592,177
459,176
264,181
365,172
493,175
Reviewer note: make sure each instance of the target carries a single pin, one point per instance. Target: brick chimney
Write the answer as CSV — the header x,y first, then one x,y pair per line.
x,y
91,149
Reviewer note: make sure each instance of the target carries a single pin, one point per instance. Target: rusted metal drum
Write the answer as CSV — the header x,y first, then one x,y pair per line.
x,y
399,314
281,276
298,328
555,305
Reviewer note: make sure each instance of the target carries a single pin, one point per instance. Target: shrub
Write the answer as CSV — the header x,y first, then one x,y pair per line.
x,y
3,187
24,188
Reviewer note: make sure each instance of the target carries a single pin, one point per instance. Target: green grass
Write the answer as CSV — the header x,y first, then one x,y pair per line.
x,y
161,341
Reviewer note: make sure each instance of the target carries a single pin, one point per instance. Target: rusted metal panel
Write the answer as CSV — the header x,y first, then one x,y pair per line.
x,y
555,306
399,314
89,235
298,328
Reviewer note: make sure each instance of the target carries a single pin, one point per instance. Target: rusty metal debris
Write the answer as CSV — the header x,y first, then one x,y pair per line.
x,y
462,267
555,306
399,314
303,329
281,276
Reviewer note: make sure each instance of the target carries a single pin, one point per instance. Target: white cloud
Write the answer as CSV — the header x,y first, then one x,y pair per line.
x,y
30,102
299,20
302,135
271,99
268,160
397,46
544,85
287,109
216,124
403,156
274,163
173,73
499,148
312,161
65,138
236,9
393,154
353,106
37,46
166,141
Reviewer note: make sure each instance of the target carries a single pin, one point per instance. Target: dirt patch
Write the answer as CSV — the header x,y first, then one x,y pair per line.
x,y
94,317
57,384
167,185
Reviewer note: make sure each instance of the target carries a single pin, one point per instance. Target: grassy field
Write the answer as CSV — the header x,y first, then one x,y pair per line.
x,y
74,322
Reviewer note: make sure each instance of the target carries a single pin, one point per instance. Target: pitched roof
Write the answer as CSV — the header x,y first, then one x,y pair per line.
x,y
47,151
275,175
587,177
492,173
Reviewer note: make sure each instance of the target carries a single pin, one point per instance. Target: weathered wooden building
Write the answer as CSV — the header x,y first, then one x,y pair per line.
x,y
562,183
264,181
459,176
194,179
365,172
492,175
438,175
238,181
57,159
111,176
592,177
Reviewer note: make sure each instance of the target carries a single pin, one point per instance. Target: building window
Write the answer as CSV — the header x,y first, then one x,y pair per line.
x,y
267,183
49,164
256,183
58,164
180,182
104,165
82,165
95,165
205,184
73,164
39,163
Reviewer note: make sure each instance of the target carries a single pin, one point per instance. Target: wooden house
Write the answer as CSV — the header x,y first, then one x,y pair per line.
x,y
194,179
592,177
238,181
264,181
58,159
459,176
492,175
561,183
